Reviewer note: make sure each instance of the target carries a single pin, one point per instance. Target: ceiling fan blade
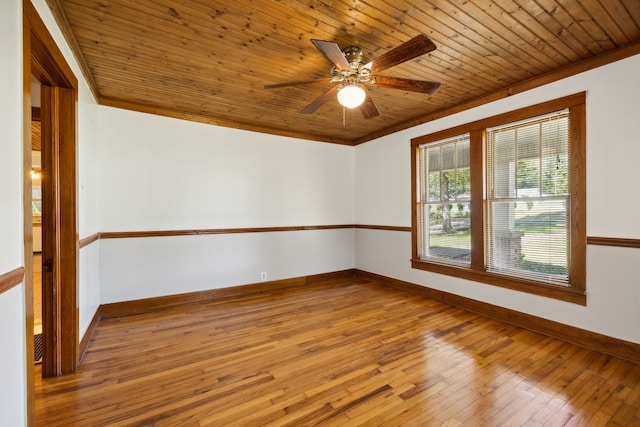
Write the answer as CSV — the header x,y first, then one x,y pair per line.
x,y
417,46
320,101
368,108
333,53
409,85
296,83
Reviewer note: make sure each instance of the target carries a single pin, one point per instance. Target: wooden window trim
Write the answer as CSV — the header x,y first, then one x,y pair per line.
x,y
576,291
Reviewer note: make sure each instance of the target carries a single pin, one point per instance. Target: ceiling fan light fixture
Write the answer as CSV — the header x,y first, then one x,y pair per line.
x,y
351,96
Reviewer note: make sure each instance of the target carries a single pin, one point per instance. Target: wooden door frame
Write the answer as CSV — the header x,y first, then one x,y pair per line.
x,y
43,59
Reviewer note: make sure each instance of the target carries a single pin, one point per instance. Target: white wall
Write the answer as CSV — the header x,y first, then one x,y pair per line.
x,y
12,316
146,267
158,173
88,293
383,196
89,285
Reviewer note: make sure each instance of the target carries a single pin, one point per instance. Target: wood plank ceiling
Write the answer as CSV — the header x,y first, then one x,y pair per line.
x,y
208,60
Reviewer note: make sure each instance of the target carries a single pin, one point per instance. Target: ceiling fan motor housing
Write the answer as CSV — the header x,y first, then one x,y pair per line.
x,y
355,56
356,74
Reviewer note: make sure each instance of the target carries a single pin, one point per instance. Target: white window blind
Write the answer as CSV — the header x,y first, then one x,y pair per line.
x,y
528,200
445,195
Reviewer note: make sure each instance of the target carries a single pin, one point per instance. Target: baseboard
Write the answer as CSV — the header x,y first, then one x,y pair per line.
x,y
602,343
84,342
147,304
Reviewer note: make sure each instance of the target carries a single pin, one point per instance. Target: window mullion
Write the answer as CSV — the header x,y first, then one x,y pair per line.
x,y
478,212
516,160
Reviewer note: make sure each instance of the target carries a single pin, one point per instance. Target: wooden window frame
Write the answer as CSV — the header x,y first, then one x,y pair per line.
x,y
575,292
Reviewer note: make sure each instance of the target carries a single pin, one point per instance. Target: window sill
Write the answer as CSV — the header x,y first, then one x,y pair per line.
x,y
567,294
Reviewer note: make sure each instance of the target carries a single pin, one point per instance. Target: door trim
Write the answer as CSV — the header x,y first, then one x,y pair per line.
x,y
44,60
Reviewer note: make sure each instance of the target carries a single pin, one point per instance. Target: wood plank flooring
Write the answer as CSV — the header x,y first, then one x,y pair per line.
x,y
346,352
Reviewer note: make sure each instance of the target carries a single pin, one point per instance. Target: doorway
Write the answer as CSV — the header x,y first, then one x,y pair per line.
x,y
43,60
36,214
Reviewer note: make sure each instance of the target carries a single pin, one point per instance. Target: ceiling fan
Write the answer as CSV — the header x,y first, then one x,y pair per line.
x,y
352,71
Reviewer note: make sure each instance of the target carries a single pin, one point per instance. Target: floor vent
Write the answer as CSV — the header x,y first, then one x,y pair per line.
x,y
37,347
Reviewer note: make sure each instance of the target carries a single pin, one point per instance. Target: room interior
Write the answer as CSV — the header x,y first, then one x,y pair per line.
x,y
279,203
36,202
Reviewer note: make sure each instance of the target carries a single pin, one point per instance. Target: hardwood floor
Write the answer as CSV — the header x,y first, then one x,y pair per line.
x,y
346,352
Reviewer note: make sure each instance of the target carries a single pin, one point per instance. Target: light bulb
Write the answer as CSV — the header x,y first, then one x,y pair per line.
x,y
351,96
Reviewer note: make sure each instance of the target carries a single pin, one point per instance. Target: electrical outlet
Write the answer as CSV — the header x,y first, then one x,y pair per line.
x,y
263,276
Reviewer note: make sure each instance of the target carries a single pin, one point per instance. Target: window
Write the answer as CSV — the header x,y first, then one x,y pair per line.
x,y
445,212
528,198
502,200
